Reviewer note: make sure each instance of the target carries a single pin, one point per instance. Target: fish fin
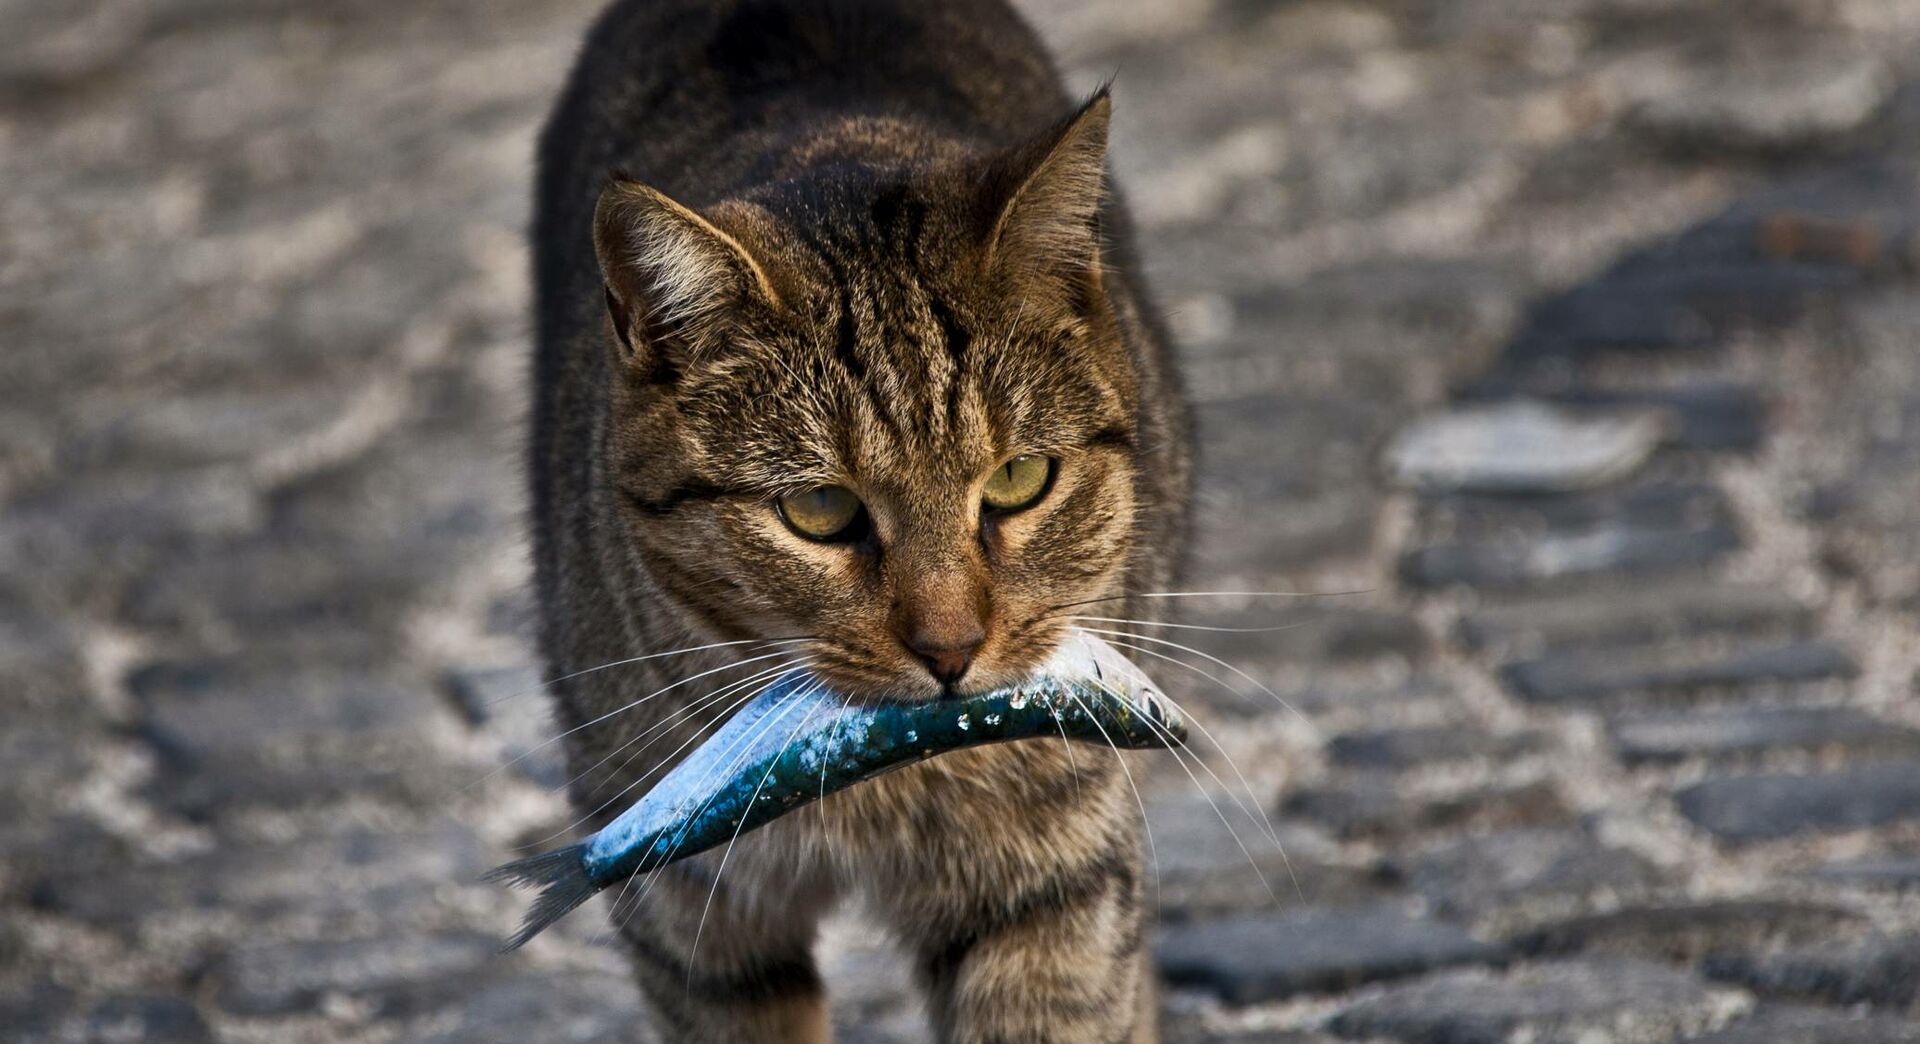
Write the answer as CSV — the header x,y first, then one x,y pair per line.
x,y
561,876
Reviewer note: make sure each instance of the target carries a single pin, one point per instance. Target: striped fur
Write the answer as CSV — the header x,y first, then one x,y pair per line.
x,y
781,243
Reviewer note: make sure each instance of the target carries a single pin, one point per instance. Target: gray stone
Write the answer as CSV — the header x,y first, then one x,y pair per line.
x,y
1377,807
1174,1032
1783,1024
1766,807
1251,542
1413,748
1878,970
1753,730
328,601
1521,447
36,1008
87,536
512,706
1632,615
1559,1003
1579,677
1695,290
149,1018
1210,856
398,975
1603,549
368,875
1782,103
1686,933
1254,958
588,1007
222,425
41,657
1705,415
234,736
1891,870
1520,868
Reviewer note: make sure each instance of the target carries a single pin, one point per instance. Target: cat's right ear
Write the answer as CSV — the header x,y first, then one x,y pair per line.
x,y
675,281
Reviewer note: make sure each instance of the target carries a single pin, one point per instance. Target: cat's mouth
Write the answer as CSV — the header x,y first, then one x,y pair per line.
x,y
801,740
1017,657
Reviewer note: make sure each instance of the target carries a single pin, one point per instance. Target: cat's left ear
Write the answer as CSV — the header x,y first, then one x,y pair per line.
x,y
1045,198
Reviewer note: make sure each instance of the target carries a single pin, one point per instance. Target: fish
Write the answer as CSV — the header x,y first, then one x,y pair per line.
x,y
798,741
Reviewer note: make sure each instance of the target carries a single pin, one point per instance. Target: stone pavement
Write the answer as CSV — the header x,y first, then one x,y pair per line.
x,y
1618,739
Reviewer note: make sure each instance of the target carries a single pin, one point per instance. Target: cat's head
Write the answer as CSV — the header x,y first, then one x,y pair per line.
x,y
885,405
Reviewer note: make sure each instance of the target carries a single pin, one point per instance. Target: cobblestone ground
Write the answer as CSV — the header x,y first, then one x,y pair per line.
x,y
1617,741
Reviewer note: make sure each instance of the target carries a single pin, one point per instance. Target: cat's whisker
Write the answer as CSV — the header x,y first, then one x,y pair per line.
x,y
1174,747
536,748
694,952
1072,765
681,714
1153,850
1187,627
1213,594
744,747
1245,784
777,671
494,701
1255,682
738,752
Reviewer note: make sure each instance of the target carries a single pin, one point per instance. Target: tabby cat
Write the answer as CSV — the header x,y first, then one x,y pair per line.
x,y
840,350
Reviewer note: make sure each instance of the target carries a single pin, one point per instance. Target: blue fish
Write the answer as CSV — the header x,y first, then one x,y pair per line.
x,y
798,742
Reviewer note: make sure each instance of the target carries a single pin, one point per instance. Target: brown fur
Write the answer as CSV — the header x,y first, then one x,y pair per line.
x,y
807,284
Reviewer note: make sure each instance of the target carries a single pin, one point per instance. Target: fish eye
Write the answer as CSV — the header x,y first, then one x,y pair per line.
x,y
824,513
1019,483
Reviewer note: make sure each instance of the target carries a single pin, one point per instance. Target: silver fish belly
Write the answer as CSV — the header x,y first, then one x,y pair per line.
x,y
797,742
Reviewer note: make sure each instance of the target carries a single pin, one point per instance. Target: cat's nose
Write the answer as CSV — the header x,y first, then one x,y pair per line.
x,y
947,656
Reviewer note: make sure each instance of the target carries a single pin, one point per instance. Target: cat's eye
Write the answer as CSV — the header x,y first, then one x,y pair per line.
x,y
1017,483
823,513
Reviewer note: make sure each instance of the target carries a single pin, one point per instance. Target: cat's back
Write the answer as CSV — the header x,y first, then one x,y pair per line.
x,y
702,98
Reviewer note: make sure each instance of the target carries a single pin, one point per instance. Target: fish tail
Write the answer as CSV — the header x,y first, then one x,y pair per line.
x,y
561,876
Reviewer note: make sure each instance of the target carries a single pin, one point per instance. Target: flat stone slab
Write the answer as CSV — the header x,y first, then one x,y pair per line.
x,y
1210,856
1607,548
1879,871
1784,1024
151,1018
1253,958
1622,1002
1753,730
1378,807
368,874
395,975
1686,933
1515,868
571,1007
1772,106
1878,970
1768,807
1633,615
1577,677
1717,416
512,706
1521,447
1410,748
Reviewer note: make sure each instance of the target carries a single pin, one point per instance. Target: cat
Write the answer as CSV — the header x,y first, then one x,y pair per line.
x,y
843,359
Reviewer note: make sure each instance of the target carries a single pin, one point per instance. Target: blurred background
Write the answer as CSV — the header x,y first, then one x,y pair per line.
x,y
1578,336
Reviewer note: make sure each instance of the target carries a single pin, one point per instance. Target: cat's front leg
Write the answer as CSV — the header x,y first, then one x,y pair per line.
x,y
1063,963
721,966
1026,916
